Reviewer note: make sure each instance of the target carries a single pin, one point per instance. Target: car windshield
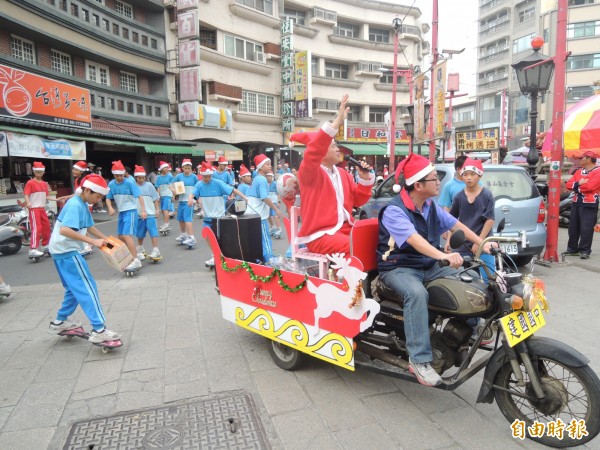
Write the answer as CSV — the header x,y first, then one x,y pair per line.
x,y
513,185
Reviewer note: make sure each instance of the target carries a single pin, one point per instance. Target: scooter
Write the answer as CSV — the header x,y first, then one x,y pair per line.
x,y
19,218
10,236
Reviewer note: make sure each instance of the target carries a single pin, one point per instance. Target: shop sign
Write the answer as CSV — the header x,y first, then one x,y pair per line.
x,y
303,83
186,4
188,111
3,144
189,53
188,25
190,87
419,111
40,99
230,155
374,135
477,140
439,100
30,146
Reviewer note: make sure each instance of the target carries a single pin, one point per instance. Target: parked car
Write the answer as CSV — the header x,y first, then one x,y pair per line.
x,y
517,201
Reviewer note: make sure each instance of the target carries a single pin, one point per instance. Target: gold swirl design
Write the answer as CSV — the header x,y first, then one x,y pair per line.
x,y
261,322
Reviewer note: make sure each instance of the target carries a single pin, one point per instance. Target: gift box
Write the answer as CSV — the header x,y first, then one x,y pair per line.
x,y
179,187
116,253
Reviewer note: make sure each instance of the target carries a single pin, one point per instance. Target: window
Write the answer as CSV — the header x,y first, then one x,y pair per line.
x,y
97,73
62,4
85,15
74,10
125,33
22,49
130,107
148,110
580,2
124,9
101,102
336,71
116,29
314,65
256,103
157,111
61,62
96,20
295,16
208,38
139,109
240,48
576,93
120,105
153,44
105,25
354,114
128,81
265,6
111,103
523,43
377,114
378,35
346,29
92,100
527,14
583,29
135,37
387,77
144,40
51,2
579,62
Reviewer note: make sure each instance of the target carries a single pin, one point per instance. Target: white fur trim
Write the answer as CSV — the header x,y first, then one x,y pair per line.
x,y
420,174
262,163
96,188
396,188
139,174
472,169
206,172
186,164
327,128
39,169
163,166
118,172
368,182
75,166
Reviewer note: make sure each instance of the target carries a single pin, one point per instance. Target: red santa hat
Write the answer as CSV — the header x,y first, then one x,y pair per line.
x,y
139,171
473,165
95,183
118,168
81,166
414,168
260,160
38,167
244,171
302,138
186,162
206,168
223,160
163,165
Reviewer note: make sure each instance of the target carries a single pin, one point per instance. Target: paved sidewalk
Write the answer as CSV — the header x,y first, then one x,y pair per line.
x,y
177,347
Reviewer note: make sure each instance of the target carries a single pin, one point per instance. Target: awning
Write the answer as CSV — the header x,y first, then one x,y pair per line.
x,y
172,150
209,146
373,149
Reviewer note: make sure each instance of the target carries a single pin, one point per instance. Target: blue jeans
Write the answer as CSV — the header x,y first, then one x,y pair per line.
x,y
410,284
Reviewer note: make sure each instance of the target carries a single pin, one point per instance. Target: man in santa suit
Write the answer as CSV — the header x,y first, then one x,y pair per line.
x,y
328,194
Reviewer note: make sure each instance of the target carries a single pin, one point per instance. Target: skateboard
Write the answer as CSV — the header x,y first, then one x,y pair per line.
x,y
276,234
209,266
81,333
2,296
130,272
154,260
164,232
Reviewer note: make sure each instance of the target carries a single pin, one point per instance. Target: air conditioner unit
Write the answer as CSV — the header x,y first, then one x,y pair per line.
x,y
260,57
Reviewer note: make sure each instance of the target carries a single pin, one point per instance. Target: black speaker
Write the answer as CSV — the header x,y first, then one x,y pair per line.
x,y
240,237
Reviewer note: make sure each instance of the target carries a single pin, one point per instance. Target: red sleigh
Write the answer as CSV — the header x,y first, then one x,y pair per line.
x,y
313,315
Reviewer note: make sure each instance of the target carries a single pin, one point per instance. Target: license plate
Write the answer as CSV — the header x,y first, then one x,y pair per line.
x,y
519,325
510,248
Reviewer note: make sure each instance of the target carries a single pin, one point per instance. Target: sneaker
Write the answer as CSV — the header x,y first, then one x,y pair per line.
x,y
210,262
44,249
426,375
105,336
5,290
189,241
172,214
571,253
135,264
155,253
200,215
182,237
585,256
35,253
64,326
101,211
163,227
141,253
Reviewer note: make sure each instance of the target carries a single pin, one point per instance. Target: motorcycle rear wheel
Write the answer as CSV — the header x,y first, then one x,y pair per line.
x,y
11,246
286,357
576,395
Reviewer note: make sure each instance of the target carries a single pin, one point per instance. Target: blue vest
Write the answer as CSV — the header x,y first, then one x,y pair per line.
x,y
406,255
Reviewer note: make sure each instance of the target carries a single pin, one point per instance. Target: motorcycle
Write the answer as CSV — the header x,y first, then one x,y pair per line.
x,y
564,208
19,218
10,236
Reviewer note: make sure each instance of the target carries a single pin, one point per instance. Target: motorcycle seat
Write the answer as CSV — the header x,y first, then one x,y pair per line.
x,y
4,219
10,209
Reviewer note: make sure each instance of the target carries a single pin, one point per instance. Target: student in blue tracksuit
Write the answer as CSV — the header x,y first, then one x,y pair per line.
x,y
125,193
275,225
185,212
163,186
148,225
74,227
210,191
245,178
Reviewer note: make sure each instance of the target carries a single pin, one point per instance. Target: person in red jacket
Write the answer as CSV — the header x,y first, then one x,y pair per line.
x,y
36,195
327,194
585,183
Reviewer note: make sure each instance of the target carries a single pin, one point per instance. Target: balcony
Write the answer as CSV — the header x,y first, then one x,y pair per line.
x,y
496,55
308,32
400,87
337,82
368,68
362,43
210,55
324,16
487,6
254,15
496,83
496,30
493,24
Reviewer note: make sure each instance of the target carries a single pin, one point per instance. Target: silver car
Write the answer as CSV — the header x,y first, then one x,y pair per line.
x,y
517,201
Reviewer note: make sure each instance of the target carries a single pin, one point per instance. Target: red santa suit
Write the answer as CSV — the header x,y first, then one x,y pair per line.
x,y
327,196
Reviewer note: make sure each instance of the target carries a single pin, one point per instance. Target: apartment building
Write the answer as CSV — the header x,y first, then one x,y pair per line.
x,y
351,45
506,28
88,72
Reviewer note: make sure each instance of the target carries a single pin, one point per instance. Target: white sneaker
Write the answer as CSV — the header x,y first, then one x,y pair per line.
x,y
64,326
189,241
44,249
200,215
210,262
426,374
141,253
182,237
105,336
164,227
5,290
155,253
135,264
35,253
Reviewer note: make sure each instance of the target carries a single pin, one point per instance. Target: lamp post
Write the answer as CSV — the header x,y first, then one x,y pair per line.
x,y
397,24
533,74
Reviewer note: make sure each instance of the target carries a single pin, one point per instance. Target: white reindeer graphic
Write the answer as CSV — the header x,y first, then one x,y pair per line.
x,y
352,303
17,100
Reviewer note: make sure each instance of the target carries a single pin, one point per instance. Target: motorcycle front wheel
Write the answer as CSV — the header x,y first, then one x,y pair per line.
x,y
572,394
10,246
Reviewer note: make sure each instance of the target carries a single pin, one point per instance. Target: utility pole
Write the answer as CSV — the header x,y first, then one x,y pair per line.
x,y
434,46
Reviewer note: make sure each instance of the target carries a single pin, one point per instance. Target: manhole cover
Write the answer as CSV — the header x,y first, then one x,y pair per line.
x,y
217,422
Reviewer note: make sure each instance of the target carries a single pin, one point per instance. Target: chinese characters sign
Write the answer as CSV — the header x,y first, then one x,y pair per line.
x,y
35,147
439,100
303,84
188,25
186,4
288,103
519,325
189,53
41,99
366,135
189,84
419,117
484,139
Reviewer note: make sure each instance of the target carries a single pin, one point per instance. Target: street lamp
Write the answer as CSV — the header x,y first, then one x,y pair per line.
x,y
533,74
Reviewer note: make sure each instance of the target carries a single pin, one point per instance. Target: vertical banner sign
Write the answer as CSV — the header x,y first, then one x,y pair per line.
x,y
419,111
439,100
189,84
186,4
188,25
189,53
303,84
288,92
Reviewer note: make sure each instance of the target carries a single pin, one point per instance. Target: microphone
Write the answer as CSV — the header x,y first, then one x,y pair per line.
x,y
355,162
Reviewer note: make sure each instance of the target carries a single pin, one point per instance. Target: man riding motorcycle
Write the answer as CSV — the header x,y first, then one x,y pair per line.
x,y
410,227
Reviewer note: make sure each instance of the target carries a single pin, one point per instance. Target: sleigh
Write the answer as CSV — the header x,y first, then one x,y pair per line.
x,y
310,314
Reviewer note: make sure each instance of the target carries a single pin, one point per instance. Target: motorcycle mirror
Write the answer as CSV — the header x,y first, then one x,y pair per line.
x,y
457,239
501,226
